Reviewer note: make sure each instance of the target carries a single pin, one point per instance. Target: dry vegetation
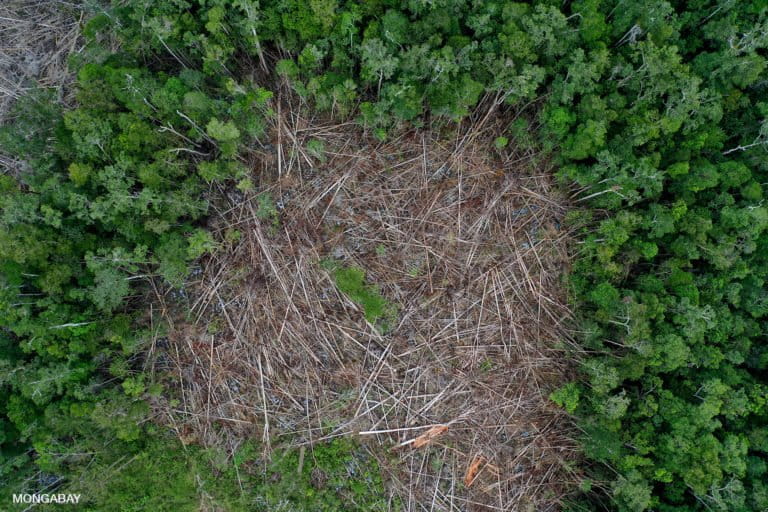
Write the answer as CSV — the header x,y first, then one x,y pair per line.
x,y
36,38
465,240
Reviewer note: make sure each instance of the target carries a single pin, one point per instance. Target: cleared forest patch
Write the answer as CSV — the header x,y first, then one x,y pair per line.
x,y
462,246
37,38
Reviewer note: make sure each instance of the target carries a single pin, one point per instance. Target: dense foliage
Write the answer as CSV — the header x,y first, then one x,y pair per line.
x,y
657,109
667,133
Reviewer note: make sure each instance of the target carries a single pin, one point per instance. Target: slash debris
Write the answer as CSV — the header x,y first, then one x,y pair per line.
x,y
467,241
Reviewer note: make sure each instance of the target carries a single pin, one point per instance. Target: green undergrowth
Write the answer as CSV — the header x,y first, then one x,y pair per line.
x,y
163,476
351,281
337,475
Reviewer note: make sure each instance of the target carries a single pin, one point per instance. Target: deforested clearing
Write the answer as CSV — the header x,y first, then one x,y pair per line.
x,y
449,387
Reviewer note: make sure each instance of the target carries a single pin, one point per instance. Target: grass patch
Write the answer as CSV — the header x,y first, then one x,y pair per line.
x,y
351,281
